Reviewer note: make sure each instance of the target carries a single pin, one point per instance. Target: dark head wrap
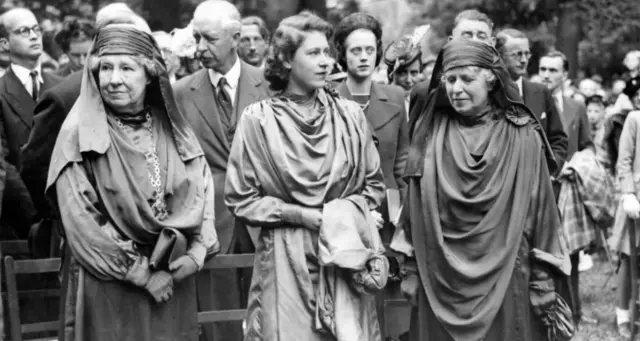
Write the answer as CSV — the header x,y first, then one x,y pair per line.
x,y
86,128
505,95
632,87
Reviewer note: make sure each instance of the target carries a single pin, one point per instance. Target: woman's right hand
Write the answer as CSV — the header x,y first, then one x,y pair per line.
x,y
160,286
631,206
409,287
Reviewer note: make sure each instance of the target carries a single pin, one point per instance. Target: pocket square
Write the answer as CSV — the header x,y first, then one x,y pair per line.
x,y
543,116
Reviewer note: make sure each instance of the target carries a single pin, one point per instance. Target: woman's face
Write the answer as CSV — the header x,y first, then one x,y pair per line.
x,y
310,64
467,90
123,83
408,77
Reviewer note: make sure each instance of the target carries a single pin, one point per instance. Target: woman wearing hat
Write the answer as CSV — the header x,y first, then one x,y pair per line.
x,y
404,66
627,167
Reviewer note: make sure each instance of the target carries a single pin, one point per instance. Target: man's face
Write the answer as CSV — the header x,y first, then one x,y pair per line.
x,y
473,30
632,61
216,45
552,72
25,35
360,53
516,54
78,50
253,47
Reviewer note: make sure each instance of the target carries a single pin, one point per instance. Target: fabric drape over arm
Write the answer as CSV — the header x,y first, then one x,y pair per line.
x,y
205,242
88,232
627,152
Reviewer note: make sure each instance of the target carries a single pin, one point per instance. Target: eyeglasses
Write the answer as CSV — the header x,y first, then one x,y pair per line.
x,y
519,54
25,32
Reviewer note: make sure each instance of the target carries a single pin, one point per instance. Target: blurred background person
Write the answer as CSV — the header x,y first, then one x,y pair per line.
x,y
171,60
75,40
254,41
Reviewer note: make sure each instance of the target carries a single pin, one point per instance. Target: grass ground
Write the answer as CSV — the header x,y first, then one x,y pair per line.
x,y
598,302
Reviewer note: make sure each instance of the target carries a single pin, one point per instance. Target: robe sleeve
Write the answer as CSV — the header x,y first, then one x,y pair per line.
x,y
242,188
627,152
94,241
205,243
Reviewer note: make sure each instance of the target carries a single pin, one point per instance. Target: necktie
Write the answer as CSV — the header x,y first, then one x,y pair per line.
x,y
223,98
34,84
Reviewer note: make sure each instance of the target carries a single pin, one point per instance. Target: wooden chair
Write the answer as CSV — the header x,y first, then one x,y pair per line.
x,y
226,262
28,267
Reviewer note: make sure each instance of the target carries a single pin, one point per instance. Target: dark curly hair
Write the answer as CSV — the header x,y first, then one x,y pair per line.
x,y
72,29
289,36
350,23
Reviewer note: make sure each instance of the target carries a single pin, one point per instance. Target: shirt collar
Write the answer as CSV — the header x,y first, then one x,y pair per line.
x,y
23,73
232,76
519,83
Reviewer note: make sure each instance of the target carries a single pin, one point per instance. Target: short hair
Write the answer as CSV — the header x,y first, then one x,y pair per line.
x,y
262,26
350,23
504,35
4,31
73,29
595,99
220,10
289,35
473,15
558,54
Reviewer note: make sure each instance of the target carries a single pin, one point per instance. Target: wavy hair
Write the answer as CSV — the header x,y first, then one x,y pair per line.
x,y
288,37
350,23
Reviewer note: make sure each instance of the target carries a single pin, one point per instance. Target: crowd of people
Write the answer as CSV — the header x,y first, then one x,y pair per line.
x,y
355,172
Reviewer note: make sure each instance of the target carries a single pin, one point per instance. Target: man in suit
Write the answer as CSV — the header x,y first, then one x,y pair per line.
x,y
358,40
513,45
20,89
554,70
213,99
49,114
469,24
254,41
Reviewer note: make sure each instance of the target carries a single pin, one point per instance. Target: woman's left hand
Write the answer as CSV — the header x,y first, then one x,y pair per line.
x,y
182,268
378,218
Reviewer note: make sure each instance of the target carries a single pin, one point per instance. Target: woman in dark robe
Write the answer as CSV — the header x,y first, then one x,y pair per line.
x,y
303,169
480,211
129,179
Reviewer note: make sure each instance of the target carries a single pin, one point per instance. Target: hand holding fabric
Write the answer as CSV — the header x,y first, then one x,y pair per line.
x,y
310,218
631,206
160,286
182,268
378,218
139,272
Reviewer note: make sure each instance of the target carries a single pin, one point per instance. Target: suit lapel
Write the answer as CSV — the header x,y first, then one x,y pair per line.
x,y
531,100
18,98
380,110
569,112
248,91
202,91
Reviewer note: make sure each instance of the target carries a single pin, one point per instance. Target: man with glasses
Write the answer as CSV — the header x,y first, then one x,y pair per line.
x,y
254,41
513,46
20,89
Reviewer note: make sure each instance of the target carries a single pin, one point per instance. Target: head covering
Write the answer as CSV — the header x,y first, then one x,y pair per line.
x,y
88,137
505,95
632,87
400,54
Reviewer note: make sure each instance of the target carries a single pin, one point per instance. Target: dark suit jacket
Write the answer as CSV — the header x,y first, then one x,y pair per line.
x,y
576,123
16,120
194,97
49,114
387,117
538,98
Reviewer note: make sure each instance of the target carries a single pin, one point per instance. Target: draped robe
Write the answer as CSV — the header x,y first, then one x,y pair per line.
x,y
278,158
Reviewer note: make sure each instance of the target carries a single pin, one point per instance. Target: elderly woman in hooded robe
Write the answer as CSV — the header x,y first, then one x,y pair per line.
x,y
135,196
480,212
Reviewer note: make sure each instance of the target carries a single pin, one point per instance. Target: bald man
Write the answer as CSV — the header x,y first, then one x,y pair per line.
x,y
20,88
213,99
49,114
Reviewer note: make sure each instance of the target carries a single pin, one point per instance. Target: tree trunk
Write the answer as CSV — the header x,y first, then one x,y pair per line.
x,y
568,34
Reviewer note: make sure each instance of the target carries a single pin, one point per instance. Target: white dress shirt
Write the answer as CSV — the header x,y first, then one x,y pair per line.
x,y
519,84
24,76
559,100
232,76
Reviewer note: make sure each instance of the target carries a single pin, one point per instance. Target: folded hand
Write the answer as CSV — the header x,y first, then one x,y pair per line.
x,y
160,286
378,218
182,268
